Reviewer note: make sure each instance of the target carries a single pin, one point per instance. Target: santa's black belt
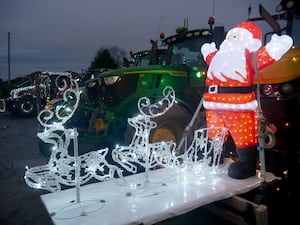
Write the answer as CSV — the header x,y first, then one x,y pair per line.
x,y
218,89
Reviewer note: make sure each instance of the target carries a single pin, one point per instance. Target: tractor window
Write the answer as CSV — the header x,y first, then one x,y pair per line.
x,y
186,53
161,58
112,90
93,90
143,61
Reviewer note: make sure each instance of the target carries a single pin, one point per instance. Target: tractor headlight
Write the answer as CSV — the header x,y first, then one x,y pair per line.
x,y
111,80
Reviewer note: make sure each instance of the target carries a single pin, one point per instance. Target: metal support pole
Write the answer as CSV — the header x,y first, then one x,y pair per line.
x,y
77,165
8,59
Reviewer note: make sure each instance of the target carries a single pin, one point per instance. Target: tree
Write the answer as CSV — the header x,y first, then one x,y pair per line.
x,y
103,59
118,54
109,58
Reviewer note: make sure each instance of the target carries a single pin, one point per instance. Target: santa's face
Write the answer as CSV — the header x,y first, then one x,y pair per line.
x,y
239,38
230,60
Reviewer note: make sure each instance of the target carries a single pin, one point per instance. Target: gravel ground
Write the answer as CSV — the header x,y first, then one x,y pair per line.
x,y
20,204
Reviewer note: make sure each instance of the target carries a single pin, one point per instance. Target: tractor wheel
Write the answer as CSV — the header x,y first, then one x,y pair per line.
x,y
170,127
26,106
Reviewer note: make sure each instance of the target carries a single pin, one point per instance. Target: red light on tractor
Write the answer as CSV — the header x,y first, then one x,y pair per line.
x,y
162,35
211,20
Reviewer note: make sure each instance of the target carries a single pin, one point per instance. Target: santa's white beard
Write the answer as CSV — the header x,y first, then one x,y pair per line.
x,y
229,62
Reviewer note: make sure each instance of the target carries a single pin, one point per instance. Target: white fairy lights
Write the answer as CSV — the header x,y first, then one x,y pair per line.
x,y
61,167
64,169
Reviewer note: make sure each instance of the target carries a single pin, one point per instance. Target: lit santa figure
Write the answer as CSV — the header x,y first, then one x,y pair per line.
x,y
229,99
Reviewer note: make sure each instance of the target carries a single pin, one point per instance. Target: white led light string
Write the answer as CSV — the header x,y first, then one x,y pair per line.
x,y
64,169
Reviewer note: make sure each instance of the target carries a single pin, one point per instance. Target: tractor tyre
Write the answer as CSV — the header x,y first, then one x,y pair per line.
x,y
26,106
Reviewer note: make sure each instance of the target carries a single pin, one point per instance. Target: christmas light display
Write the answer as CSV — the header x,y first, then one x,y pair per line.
x,y
201,158
61,167
233,112
140,150
204,155
229,99
76,170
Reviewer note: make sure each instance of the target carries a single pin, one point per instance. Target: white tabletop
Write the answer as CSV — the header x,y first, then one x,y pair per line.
x,y
170,194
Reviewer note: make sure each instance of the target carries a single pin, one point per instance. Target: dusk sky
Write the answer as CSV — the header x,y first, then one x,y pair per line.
x,y
60,35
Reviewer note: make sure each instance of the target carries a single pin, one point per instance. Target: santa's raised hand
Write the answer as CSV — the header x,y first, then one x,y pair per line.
x,y
278,45
208,48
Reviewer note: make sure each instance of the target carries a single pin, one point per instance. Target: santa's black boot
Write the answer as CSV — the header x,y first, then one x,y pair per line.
x,y
246,165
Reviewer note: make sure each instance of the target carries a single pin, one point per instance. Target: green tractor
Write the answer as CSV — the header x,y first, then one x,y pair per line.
x,y
154,56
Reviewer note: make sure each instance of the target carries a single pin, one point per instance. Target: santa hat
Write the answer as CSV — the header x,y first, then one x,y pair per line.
x,y
252,27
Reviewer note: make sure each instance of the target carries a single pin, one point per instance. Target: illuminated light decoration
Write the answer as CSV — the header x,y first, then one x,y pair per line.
x,y
204,156
229,100
64,169
140,151
61,166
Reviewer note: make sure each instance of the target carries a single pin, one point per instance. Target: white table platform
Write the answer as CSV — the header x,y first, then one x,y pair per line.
x,y
175,194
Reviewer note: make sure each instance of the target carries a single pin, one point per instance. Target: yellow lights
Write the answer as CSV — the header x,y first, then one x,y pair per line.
x,y
49,106
295,59
99,125
242,128
285,173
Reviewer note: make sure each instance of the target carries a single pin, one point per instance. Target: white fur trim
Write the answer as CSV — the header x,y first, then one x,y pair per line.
x,y
228,106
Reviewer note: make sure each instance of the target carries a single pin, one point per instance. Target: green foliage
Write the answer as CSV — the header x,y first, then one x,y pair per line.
x,y
103,59
108,58
5,89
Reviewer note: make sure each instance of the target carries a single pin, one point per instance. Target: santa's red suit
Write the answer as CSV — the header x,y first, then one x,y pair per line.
x,y
230,99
